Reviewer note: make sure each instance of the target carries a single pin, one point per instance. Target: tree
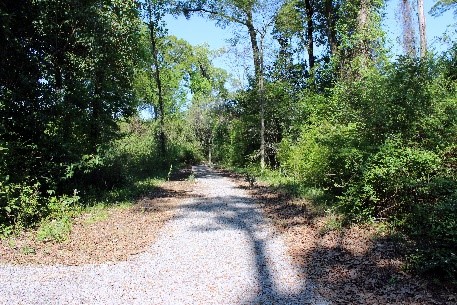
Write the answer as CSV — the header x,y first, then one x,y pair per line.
x,y
65,79
422,28
442,6
360,36
310,32
155,11
246,14
294,31
327,14
206,84
409,34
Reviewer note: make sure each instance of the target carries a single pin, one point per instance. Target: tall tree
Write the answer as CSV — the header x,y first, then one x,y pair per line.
x,y
310,32
155,14
362,27
65,78
422,28
409,34
360,34
328,13
294,30
208,95
246,14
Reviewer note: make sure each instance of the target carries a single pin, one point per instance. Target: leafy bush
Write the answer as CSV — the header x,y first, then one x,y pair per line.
x,y
20,204
434,230
306,160
23,204
383,146
391,182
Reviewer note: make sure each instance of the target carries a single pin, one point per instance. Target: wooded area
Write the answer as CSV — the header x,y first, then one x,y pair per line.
x,y
331,115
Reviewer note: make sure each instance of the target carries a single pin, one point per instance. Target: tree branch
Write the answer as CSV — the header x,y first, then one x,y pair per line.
x,y
222,15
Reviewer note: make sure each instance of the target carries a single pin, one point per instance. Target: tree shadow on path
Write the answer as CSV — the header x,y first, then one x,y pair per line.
x,y
240,213
348,265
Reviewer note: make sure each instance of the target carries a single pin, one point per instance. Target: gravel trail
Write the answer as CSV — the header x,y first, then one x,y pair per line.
x,y
219,249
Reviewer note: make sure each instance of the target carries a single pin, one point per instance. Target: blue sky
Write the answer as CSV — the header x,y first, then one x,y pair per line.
x,y
198,30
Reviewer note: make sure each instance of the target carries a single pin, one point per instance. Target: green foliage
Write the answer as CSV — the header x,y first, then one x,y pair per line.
x,y
383,146
58,222
24,204
55,230
66,77
434,229
442,6
306,159
392,181
377,137
20,203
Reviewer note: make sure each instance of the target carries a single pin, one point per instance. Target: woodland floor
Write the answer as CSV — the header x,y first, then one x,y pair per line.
x,y
108,235
355,265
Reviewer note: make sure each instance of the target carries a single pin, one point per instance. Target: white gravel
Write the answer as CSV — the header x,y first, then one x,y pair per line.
x,y
218,250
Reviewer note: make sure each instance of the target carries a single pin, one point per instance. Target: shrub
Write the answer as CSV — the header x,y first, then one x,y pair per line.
x,y
306,160
20,203
433,228
392,181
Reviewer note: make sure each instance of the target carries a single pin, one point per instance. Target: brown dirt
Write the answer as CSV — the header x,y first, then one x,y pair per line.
x,y
350,265
113,235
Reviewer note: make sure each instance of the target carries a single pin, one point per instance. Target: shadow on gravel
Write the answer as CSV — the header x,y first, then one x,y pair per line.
x,y
239,213
346,266
247,219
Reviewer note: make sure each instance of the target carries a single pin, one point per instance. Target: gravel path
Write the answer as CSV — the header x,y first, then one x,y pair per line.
x,y
219,249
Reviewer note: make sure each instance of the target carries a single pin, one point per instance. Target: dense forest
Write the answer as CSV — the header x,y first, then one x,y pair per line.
x,y
95,96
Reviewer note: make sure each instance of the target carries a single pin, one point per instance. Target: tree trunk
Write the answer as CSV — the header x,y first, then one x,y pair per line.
x,y
210,150
262,109
330,27
409,40
422,28
95,123
96,103
362,27
258,71
310,32
254,45
155,55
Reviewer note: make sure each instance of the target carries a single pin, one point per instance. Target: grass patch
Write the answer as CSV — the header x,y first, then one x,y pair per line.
x,y
123,195
333,222
55,230
96,213
28,250
191,178
57,226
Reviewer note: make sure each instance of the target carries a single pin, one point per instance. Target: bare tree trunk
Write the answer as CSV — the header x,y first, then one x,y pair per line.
x,y
210,150
310,32
330,26
262,109
258,71
363,20
155,55
422,28
409,34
